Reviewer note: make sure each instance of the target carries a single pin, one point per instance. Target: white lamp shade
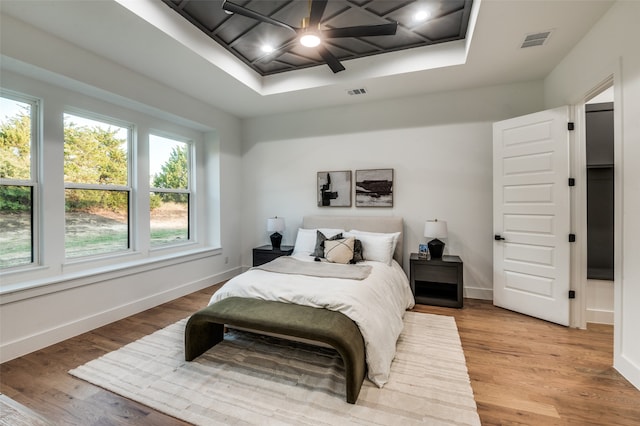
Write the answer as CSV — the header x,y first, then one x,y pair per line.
x,y
435,229
275,224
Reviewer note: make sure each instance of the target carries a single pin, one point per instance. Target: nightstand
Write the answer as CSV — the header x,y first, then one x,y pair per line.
x,y
264,254
437,281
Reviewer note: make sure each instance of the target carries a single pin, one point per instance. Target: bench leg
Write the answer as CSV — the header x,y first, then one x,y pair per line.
x,y
200,335
354,376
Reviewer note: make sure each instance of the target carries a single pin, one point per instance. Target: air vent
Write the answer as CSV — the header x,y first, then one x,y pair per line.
x,y
354,92
536,39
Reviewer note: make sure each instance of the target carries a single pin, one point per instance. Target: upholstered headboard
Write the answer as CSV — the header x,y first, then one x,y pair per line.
x,y
361,223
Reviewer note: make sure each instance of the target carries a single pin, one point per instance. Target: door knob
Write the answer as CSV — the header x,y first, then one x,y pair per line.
x,y
497,237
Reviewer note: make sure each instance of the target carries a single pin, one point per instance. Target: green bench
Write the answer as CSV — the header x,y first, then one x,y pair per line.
x,y
205,329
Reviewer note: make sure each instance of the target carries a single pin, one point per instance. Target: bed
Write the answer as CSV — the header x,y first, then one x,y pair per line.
x,y
374,293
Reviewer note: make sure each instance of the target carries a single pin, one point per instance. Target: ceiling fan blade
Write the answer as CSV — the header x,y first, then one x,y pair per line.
x,y
237,9
331,60
362,31
317,10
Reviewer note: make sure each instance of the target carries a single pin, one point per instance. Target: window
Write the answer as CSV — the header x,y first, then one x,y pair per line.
x,y
169,171
18,120
97,186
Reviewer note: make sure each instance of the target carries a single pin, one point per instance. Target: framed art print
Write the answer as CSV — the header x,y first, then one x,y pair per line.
x,y
334,189
374,188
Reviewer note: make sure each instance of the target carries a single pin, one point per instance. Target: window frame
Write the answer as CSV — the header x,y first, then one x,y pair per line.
x,y
51,270
189,191
34,175
128,188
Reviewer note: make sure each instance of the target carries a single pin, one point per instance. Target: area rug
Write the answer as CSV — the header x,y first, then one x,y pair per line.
x,y
250,379
13,413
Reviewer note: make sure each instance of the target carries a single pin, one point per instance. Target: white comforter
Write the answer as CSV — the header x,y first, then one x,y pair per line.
x,y
376,304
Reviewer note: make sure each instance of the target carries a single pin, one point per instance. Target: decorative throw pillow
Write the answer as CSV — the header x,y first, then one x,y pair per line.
x,y
320,240
339,251
306,238
357,252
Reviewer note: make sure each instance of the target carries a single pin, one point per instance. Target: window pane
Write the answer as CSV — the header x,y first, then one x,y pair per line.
x,y
168,163
94,152
16,230
96,222
169,218
15,139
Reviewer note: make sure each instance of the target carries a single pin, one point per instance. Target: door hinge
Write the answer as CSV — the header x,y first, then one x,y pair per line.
x,y
572,294
571,125
572,238
572,182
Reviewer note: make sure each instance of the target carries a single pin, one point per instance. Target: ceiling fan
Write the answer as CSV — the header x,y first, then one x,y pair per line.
x,y
311,35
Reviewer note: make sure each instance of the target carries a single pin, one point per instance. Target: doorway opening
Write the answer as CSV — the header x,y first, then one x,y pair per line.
x,y
600,212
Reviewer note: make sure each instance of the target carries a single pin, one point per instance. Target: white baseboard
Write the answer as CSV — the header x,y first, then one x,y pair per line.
x,y
628,369
37,341
599,316
478,293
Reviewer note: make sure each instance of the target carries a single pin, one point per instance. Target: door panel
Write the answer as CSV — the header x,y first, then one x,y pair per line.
x,y
534,255
529,284
518,194
531,213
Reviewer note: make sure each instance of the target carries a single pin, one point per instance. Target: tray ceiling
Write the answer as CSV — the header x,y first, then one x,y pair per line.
x,y
244,37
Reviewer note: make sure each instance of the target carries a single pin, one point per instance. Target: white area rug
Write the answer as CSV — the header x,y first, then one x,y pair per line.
x,y
250,379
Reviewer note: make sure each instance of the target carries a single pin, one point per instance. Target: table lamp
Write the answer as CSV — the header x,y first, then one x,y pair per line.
x,y
435,229
275,225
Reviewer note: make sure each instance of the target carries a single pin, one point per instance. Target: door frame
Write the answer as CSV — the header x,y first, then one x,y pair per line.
x,y
578,307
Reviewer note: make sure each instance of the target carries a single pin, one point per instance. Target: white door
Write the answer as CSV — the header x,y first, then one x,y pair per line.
x,y
531,215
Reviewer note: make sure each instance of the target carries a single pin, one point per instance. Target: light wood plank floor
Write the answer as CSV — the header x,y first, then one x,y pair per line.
x,y
523,371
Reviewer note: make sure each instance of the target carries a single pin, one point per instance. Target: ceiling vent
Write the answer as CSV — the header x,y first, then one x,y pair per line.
x,y
354,92
536,39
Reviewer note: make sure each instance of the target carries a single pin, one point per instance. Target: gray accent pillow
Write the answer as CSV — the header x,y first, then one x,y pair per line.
x,y
320,239
357,252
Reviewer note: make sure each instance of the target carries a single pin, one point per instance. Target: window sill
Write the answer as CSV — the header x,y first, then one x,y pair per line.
x,y
10,293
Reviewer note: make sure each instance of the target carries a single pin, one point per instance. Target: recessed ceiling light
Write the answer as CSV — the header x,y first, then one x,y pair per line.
x,y
310,40
267,48
421,15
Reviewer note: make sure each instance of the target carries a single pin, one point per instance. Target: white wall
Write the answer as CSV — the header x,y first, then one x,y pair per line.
x,y
611,47
600,302
79,298
440,147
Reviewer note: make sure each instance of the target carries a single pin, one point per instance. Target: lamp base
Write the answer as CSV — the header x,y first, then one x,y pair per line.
x,y
276,240
436,247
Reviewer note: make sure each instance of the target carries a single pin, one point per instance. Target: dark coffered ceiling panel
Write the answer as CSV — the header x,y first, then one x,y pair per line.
x,y
245,37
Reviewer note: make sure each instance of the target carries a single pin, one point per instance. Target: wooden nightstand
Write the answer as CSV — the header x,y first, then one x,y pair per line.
x,y
264,254
437,281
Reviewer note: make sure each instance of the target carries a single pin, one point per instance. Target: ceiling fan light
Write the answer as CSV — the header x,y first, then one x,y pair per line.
x,y
310,40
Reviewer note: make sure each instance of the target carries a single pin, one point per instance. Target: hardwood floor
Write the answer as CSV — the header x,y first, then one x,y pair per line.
x,y
523,371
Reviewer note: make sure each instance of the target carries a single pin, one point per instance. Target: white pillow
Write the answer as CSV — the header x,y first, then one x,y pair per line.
x,y
395,235
306,239
377,247
330,232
